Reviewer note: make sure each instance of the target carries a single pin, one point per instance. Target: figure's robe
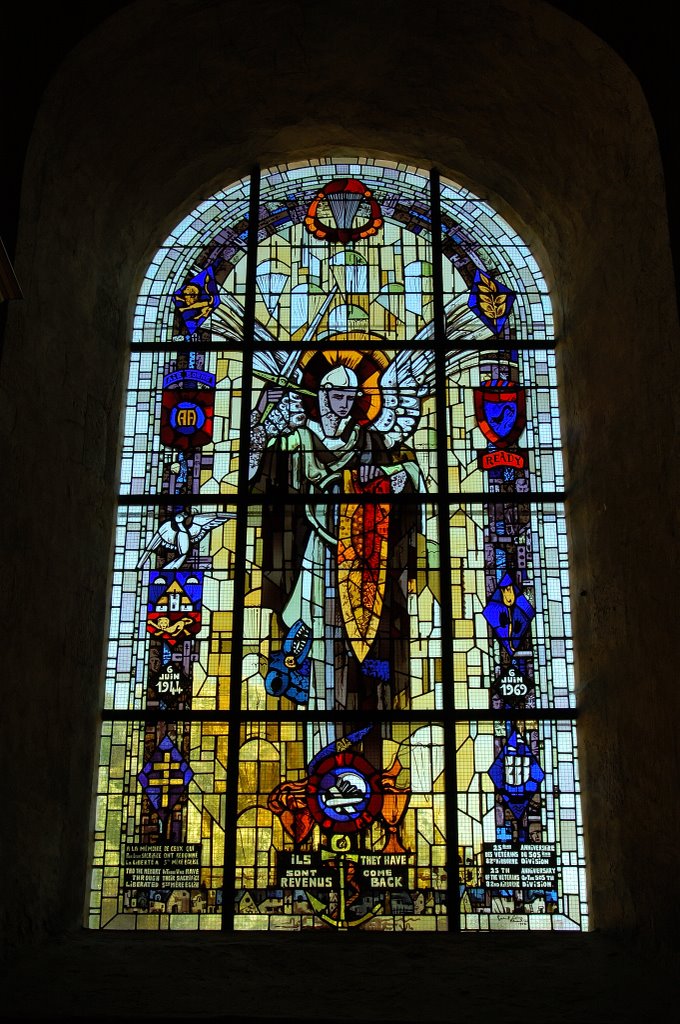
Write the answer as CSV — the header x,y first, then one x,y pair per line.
x,y
300,561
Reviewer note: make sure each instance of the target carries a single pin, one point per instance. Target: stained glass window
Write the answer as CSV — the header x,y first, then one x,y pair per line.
x,y
339,682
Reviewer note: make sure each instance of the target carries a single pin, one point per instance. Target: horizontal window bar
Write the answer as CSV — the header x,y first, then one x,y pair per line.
x,y
427,716
289,346
341,498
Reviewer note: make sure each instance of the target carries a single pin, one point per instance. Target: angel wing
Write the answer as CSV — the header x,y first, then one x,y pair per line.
x,y
406,382
409,378
277,366
227,322
462,324
404,386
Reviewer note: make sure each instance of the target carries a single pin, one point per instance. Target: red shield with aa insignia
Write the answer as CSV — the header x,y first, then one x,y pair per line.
x,y
187,418
500,408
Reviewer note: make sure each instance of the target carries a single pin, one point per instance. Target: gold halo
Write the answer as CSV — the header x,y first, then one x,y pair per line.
x,y
352,359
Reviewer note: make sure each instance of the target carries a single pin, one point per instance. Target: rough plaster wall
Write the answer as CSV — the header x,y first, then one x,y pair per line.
x,y
167,101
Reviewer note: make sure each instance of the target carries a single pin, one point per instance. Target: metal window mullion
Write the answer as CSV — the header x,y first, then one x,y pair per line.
x,y
445,597
235,687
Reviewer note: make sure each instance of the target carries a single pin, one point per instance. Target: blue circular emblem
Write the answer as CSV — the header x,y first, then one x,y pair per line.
x,y
187,418
343,794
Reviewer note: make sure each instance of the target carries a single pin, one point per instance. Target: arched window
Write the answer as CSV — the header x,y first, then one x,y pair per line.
x,y
339,687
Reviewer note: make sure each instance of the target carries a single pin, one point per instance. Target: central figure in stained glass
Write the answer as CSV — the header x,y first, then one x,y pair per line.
x,y
325,433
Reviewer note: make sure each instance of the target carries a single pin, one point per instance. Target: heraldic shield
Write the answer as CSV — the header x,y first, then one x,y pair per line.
x,y
174,605
500,408
188,409
362,561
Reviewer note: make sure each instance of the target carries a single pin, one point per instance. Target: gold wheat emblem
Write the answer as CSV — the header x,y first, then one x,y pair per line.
x,y
491,301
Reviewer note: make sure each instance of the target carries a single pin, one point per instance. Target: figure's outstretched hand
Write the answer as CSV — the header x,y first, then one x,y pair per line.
x,y
268,397
285,414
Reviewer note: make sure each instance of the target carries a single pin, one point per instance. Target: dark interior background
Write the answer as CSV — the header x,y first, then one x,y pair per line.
x,y
37,39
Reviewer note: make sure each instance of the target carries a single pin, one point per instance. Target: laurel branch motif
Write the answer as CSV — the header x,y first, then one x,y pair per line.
x,y
492,302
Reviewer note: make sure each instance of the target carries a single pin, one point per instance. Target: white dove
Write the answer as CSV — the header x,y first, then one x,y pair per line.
x,y
179,533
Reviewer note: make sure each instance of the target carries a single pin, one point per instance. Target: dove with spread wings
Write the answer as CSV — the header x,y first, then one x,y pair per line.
x,y
185,528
